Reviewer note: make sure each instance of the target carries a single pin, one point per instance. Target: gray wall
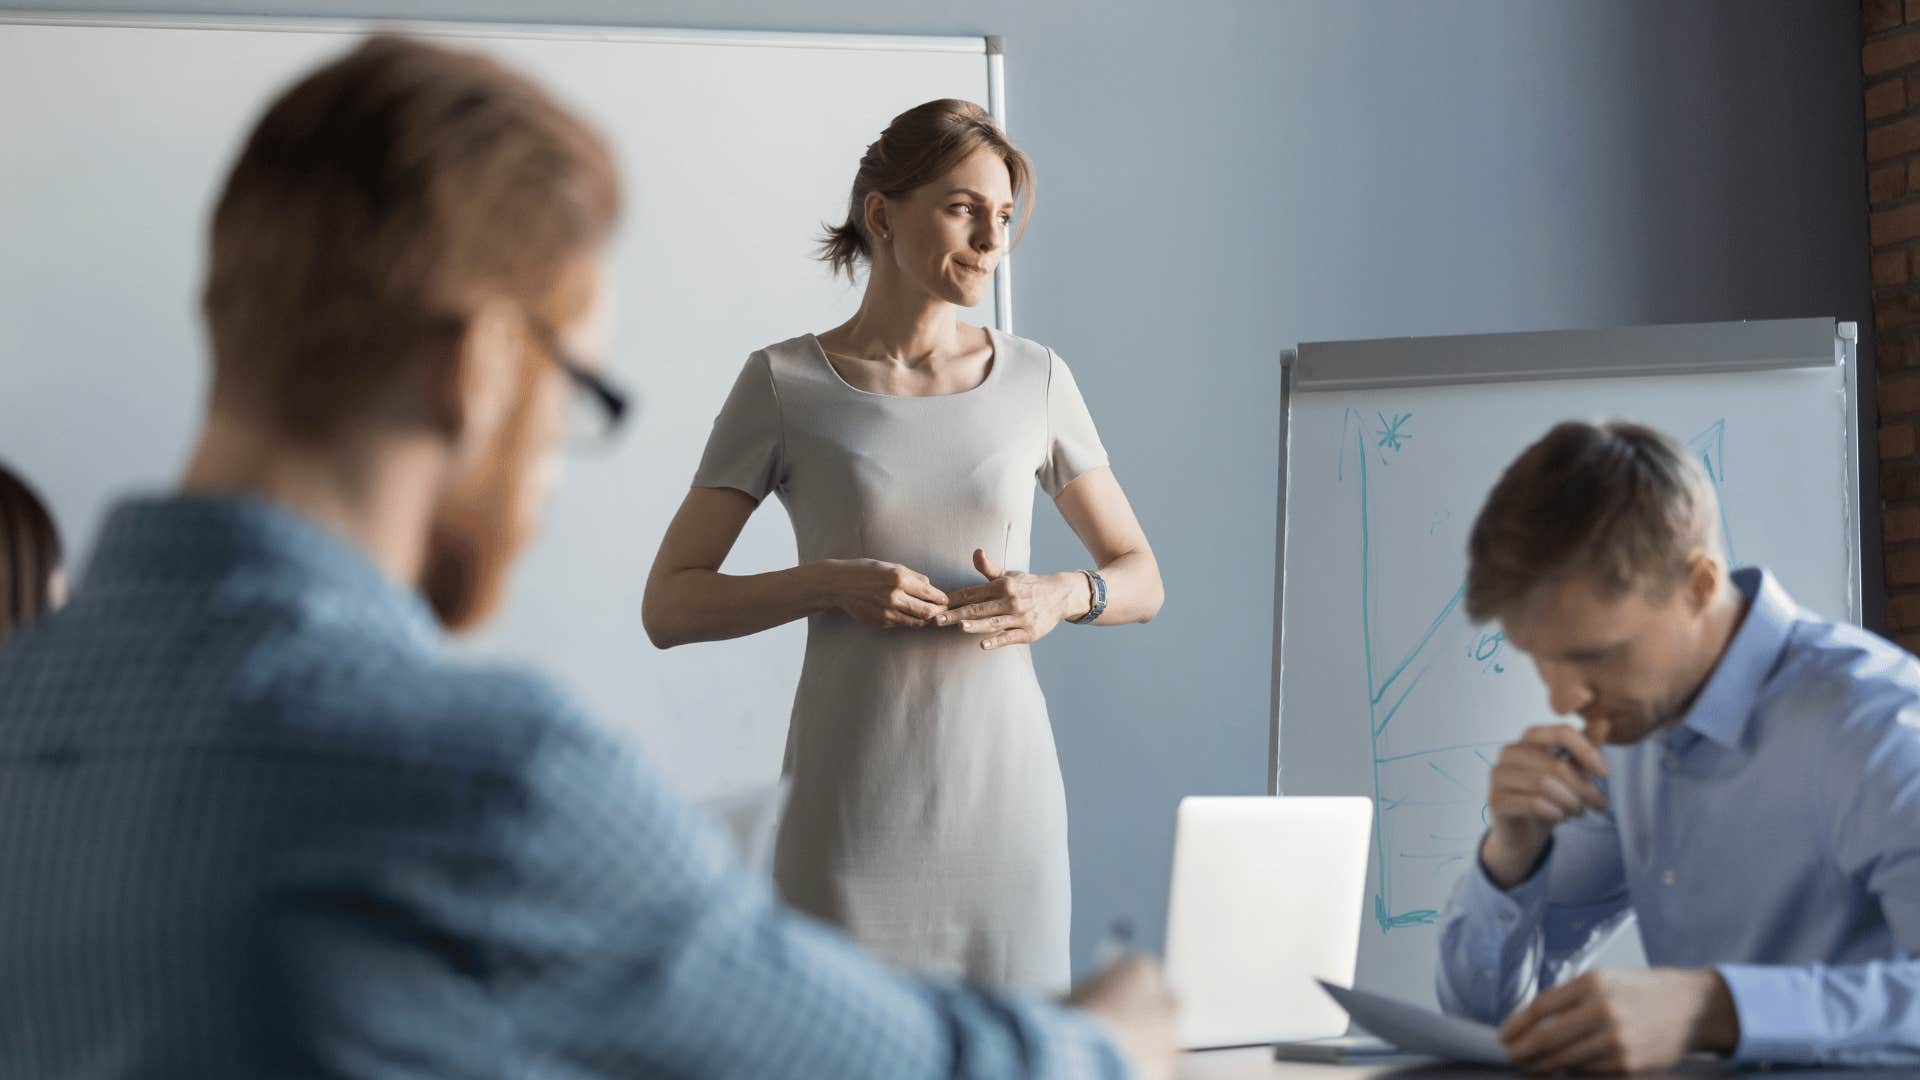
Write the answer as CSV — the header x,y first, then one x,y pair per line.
x,y
1221,180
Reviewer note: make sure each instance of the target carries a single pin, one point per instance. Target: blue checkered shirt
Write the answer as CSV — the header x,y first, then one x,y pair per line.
x,y
254,820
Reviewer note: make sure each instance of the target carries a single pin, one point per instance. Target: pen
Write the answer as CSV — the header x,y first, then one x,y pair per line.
x,y
1115,945
1561,753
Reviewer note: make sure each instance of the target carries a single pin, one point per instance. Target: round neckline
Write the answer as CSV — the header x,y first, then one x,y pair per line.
x,y
994,364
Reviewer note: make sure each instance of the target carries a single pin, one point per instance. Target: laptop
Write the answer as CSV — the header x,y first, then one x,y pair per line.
x,y
1267,898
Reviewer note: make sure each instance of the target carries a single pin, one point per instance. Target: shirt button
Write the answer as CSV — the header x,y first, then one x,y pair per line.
x,y
1667,877
1506,916
1671,761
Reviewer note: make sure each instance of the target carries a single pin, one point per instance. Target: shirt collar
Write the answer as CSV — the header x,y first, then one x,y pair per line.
x,y
204,543
1724,705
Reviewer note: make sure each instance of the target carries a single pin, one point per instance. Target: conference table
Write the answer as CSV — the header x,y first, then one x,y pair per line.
x,y
1257,1063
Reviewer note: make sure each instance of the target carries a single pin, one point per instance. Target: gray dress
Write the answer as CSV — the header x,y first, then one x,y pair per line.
x,y
927,815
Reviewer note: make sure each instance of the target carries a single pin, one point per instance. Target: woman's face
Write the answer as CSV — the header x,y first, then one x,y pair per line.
x,y
949,235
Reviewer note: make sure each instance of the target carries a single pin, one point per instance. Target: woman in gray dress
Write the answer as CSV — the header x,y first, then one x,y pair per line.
x,y
927,814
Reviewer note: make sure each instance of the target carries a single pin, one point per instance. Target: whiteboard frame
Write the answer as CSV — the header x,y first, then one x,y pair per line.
x,y
997,108
991,49
1462,359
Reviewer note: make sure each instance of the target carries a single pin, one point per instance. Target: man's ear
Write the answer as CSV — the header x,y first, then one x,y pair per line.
x,y
1704,576
471,392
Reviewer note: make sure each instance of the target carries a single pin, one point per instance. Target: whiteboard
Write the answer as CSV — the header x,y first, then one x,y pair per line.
x,y
735,147
1383,687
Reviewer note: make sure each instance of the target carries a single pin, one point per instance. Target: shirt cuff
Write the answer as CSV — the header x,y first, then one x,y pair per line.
x,y
1773,1004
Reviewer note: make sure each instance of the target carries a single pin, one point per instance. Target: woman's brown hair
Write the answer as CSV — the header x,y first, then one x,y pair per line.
x,y
29,555
918,147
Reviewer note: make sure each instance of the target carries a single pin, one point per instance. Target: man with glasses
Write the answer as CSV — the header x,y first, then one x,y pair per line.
x,y
255,821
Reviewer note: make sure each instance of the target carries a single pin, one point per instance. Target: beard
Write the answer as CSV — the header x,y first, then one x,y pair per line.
x,y
1631,722
464,574
485,521
476,535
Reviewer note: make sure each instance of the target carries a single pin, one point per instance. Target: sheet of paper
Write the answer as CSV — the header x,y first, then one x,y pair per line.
x,y
1421,1031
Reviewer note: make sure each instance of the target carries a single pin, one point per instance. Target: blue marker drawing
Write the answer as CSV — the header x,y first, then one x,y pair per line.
x,y
1711,447
1378,688
1393,434
1460,768
1449,778
1486,651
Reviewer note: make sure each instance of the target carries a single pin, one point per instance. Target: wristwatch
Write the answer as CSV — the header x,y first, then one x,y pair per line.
x,y
1097,586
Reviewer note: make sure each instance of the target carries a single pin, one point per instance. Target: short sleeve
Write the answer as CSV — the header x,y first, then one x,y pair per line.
x,y
745,449
1073,444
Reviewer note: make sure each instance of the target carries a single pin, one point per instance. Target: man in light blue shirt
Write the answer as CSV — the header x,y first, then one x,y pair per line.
x,y
1756,806
256,819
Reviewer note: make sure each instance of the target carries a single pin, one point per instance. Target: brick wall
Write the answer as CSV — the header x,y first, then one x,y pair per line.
x,y
1890,59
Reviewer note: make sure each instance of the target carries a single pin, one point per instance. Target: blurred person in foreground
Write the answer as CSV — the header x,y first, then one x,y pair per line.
x,y
255,820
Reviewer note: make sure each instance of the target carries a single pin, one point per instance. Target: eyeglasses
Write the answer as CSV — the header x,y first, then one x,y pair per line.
x,y
595,426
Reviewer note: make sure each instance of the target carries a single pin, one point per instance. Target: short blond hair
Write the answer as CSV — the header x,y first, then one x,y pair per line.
x,y
1619,502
